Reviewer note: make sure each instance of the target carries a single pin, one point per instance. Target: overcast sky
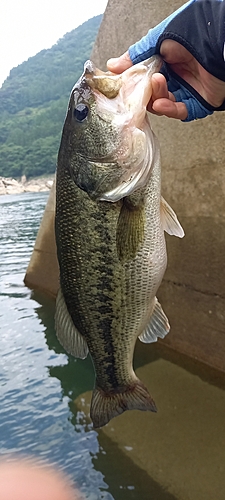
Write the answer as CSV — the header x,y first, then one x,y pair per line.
x,y
28,26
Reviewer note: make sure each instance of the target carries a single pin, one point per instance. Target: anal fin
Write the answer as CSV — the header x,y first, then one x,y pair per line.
x,y
69,337
158,326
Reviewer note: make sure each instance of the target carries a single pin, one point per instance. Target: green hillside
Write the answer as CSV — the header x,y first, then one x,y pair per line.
x,y
33,103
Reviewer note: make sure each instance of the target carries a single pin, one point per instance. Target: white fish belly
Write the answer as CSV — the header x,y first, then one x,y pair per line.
x,y
144,274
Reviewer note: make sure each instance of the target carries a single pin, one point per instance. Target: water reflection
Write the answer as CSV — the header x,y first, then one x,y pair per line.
x,y
40,384
124,479
34,408
179,443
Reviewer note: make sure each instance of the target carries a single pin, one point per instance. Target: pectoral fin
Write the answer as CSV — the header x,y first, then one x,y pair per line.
x,y
170,221
158,326
130,231
68,335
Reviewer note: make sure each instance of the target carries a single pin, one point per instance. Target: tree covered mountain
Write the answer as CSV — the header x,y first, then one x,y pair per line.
x,y
33,103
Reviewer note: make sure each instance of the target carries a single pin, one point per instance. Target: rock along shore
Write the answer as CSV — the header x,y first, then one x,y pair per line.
x,y
13,186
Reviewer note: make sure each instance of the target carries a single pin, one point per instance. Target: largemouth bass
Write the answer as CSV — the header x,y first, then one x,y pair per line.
x,y
110,222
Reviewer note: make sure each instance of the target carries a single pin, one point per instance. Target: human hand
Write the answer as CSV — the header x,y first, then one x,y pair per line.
x,y
171,98
162,101
29,480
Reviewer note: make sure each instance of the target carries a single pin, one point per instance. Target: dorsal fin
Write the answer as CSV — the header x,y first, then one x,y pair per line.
x,y
169,220
69,337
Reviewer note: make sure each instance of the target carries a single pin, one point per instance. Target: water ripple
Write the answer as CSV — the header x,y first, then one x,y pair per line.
x,y
35,416
38,381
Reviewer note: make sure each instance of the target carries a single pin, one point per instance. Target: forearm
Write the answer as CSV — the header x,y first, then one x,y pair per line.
x,y
149,44
199,27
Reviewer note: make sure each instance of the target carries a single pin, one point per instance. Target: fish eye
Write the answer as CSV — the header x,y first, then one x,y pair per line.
x,y
80,112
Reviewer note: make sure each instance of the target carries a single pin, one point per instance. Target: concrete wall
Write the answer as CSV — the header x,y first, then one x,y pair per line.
x,y
43,270
193,170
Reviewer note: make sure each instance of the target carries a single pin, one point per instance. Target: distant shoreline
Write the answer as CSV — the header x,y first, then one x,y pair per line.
x,y
8,185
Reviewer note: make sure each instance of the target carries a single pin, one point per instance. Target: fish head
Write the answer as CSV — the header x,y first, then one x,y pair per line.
x,y
89,119
105,137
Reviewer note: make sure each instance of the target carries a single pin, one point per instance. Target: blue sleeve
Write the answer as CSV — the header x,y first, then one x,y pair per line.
x,y
199,26
197,106
148,45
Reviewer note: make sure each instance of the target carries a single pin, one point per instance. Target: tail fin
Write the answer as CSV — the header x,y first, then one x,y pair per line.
x,y
105,406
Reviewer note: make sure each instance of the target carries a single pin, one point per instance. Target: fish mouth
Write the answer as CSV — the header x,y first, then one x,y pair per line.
x,y
97,85
109,84
126,94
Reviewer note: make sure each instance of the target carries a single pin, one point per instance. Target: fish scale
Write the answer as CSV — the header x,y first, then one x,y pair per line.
x,y
110,241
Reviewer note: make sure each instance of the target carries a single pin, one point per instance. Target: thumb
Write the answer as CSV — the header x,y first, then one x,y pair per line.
x,y
119,64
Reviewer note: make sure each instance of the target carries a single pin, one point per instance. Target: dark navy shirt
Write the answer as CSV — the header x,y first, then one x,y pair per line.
x,y
198,25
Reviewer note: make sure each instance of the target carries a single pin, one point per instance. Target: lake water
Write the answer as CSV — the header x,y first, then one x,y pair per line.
x,y
40,386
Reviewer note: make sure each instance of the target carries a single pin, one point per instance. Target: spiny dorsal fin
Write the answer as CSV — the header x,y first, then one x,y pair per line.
x,y
170,221
158,326
68,335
